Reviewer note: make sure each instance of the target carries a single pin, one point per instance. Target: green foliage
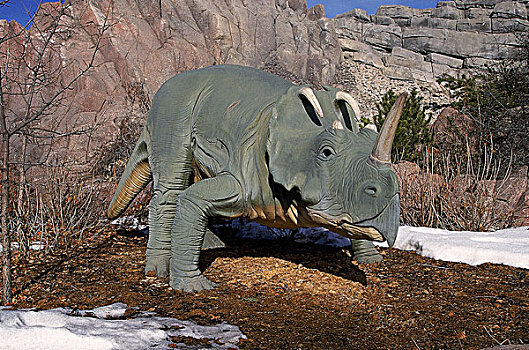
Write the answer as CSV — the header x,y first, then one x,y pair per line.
x,y
413,134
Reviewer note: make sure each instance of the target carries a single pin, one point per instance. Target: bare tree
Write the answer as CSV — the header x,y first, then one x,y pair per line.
x,y
36,87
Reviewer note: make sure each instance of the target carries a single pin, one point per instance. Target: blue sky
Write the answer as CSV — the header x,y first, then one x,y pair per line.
x,y
18,9
334,7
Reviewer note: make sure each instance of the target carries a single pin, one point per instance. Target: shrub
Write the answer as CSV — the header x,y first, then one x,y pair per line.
x,y
497,100
443,193
413,133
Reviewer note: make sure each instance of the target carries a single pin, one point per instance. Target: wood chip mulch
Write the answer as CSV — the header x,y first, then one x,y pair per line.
x,y
285,295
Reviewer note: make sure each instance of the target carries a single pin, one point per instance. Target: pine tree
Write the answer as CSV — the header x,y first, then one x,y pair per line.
x,y
413,133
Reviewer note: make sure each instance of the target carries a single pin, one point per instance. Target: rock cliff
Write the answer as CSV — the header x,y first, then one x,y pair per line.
x,y
147,42
412,44
404,48
151,41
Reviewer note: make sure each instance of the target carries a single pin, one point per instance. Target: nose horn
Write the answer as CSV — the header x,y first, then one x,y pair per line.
x,y
381,153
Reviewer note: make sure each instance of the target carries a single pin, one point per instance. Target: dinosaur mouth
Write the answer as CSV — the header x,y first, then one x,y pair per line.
x,y
343,226
383,227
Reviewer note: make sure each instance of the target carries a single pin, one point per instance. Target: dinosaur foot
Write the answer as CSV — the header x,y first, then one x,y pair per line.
x,y
368,258
365,252
191,284
159,266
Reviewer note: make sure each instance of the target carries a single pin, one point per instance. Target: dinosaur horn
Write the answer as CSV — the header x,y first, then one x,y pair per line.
x,y
344,96
309,94
382,151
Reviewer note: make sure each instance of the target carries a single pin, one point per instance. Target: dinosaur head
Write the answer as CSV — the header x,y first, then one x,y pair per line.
x,y
342,174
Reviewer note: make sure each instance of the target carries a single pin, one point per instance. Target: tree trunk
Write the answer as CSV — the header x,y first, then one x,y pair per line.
x,y
7,293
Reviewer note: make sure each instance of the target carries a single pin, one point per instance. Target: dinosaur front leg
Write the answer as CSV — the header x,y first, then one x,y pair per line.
x,y
365,251
218,196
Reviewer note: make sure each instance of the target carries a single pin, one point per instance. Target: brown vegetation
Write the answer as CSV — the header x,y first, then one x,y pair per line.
x,y
42,190
444,194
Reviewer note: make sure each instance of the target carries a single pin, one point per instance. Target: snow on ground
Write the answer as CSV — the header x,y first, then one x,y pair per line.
x,y
99,329
507,247
37,245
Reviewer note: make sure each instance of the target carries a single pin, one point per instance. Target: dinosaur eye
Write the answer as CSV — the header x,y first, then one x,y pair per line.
x,y
372,190
326,152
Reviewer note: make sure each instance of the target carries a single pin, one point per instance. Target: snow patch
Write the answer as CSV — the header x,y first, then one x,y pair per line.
x,y
37,245
64,328
507,247
130,222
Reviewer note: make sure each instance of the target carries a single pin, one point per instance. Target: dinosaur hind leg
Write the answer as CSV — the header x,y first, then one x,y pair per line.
x,y
161,214
171,176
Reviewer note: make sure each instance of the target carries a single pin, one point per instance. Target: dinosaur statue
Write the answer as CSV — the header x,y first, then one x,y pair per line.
x,y
230,141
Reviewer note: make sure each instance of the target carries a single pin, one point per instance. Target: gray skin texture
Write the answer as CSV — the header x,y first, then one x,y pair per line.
x,y
230,141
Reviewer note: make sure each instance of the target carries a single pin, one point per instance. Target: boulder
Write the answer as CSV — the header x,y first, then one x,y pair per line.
x,y
454,129
358,14
443,23
382,20
446,4
382,36
398,73
481,13
401,14
395,11
409,59
422,12
509,9
441,70
431,22
348,27
406,70
501,25
482,25
458,44
445,60
467,4
478,62
424,40
447,12
421,21
361,52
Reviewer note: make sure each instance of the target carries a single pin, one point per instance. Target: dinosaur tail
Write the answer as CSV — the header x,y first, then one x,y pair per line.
x,y
136,176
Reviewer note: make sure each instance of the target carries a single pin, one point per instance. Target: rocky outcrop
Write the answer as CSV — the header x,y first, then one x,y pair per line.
x,y
398,47
412,44
155,40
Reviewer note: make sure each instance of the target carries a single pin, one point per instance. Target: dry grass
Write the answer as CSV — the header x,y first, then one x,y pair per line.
x,y
444,194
